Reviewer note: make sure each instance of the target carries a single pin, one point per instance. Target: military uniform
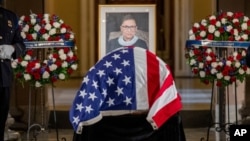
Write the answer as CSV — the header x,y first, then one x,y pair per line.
x,y
9,35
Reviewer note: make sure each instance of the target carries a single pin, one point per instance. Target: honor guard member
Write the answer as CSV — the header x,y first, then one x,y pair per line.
x,y
11,46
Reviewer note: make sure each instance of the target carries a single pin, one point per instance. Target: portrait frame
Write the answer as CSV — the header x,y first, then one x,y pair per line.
x,y
110,17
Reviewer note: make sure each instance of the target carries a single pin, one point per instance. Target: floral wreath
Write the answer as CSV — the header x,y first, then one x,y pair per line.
x,y
205,62
59,62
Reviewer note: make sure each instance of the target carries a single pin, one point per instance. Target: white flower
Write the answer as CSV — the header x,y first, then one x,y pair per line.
x,y
204,22
52,67
65,64
208,58
237,38
237,64
213,71
46,36
244,26
34,35
27,76
236,32
223,20
33,21
243,53
27,57
26,28
48,26
70,54
61,76
191,53
74,66
63,56
229,28
244,37
71,36
213,17
37,27
23,35
235,20
203,33
201,65
228,63
248,71
218,24
63,30
52,31
46,16
38,84
197,25
227,78
60,51
192,62
217,33
209,50
190,32
56,24
14,64
37,65
24,63
214,64
245,18
211,28
202,74
230,14
219,75
241,71
46,75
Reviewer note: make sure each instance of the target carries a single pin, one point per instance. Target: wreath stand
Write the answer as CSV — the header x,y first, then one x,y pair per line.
x,y
220,109
40,48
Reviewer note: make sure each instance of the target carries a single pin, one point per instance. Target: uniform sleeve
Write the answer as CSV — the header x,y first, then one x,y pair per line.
x,y
18,41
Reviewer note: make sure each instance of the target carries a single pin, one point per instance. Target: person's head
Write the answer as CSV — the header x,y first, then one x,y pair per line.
x,y
128,27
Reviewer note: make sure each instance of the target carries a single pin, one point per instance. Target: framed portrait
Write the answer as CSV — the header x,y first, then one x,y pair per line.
x,y
126,25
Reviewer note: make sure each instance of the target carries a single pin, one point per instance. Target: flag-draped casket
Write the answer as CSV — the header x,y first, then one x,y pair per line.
x,y
128,80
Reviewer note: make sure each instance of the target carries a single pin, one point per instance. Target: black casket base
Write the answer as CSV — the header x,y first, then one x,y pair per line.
x,y
132,128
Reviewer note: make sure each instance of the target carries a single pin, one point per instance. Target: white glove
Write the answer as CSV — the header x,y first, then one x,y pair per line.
x,y
6,51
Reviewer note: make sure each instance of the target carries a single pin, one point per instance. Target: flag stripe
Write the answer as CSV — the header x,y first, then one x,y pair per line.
x,y
153,76
140,79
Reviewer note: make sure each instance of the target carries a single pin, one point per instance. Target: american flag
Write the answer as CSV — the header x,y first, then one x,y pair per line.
x,y
127,80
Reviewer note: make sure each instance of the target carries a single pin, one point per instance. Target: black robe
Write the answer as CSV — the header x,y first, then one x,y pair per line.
x,y
9,35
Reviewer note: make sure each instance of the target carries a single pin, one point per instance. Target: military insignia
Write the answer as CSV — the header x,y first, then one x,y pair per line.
x,y
9,23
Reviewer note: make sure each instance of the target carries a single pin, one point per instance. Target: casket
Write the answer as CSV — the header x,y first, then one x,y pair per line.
x,y
129,95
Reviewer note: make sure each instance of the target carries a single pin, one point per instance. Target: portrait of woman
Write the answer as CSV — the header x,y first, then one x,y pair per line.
x,y
126,29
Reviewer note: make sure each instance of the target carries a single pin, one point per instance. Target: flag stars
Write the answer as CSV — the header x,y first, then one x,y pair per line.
x,y
126,80
117,71
110,102
85,80
125,63
92,96
110,81
124,51
94,84
100,73
116,56
76,120
119,91
127,101
89,109
108,64
79,107
104,92
82,94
